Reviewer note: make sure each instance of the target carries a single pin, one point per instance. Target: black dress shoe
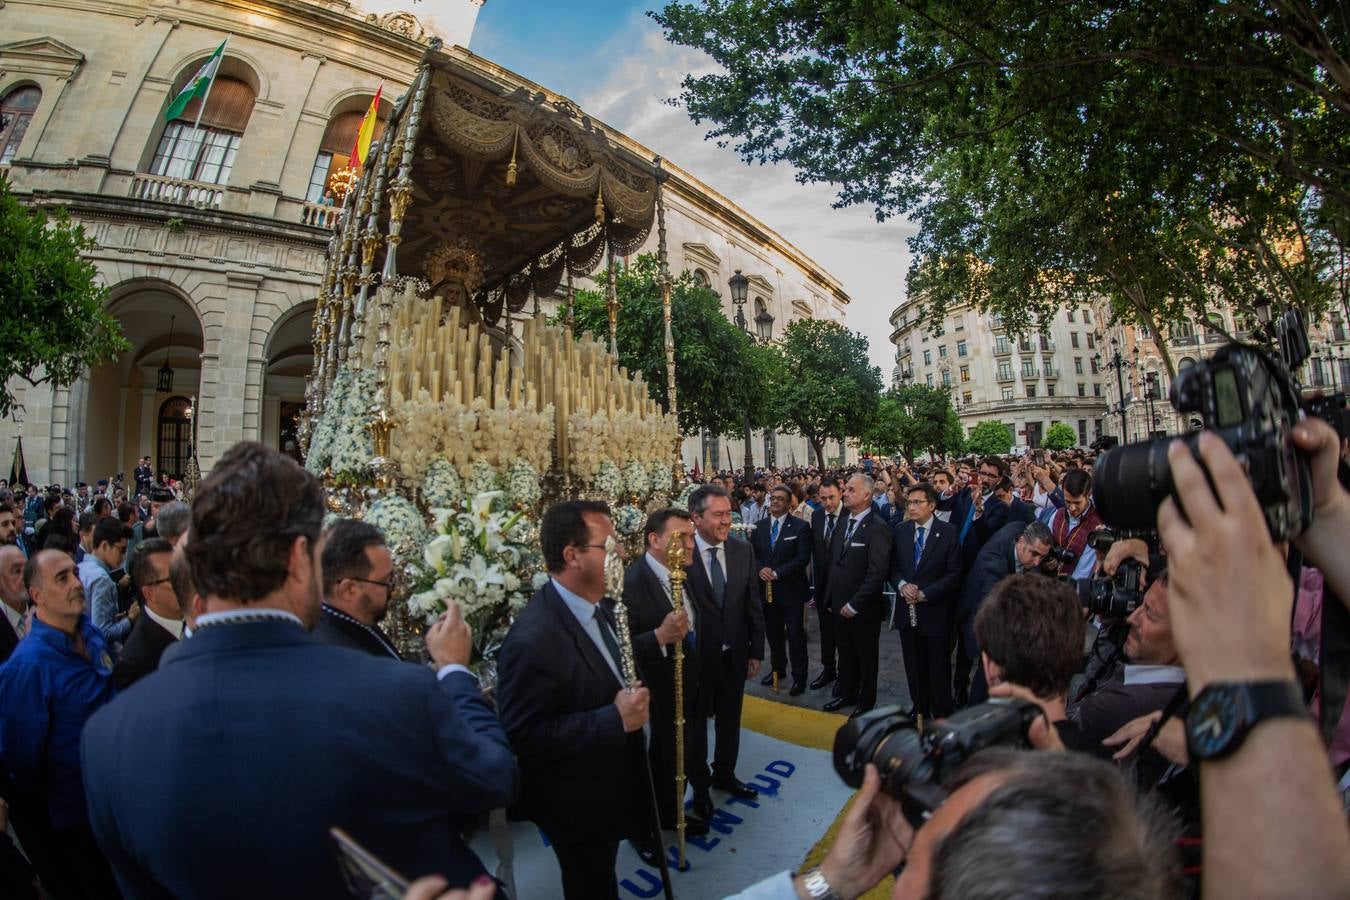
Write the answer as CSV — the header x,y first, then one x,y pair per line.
x,y
703,805
859,711
798,687
825,678
839,703
736,788
695,827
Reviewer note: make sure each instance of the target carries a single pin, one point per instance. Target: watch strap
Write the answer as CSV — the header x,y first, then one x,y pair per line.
x,y
817,887
1255,702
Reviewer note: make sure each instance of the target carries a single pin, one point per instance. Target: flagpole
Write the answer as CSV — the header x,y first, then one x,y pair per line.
x,y
197,125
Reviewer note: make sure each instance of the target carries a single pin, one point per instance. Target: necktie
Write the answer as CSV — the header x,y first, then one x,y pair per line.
x,y
773,533
848,532
970,519
612,645
717,577
829,527
918,547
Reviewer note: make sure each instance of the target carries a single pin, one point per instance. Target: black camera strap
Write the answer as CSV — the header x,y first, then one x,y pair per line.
x,y
1179,699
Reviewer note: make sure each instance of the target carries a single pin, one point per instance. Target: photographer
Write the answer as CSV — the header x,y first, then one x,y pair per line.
x,y
1230,608
1030,632
1149,679
1073,522
1015,824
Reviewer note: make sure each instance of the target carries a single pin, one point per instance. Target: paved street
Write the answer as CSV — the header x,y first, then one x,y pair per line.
x,y
892,688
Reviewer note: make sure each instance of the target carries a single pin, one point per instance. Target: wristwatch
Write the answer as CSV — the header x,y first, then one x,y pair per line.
x,y
1223,713
817,888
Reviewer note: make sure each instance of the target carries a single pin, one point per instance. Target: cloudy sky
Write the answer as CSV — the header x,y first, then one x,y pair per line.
x,y
612,60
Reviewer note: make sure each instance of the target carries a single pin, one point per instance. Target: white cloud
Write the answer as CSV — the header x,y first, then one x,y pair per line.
x,y
870,258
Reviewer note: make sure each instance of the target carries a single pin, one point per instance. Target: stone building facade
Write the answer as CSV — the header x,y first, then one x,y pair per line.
x,y
1027,382
210,239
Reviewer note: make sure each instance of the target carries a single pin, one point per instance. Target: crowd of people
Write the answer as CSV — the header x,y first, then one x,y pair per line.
x,y
192,698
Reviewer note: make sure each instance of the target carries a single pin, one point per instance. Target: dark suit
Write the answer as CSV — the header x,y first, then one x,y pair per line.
x,y
141,653
859,566
8,638
789,558
735,622
973,533
220,775
996,561
820,572
938,575
1021,511
583,777
337,629
648,605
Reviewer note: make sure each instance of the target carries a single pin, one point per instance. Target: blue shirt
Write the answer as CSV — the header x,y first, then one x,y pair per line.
x,y
49,692
584,610
100,595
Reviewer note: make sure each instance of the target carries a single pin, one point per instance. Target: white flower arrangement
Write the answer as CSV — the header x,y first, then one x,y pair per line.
x,y
403,526
482,479
441,487
628,519
353,446
321,443
482,557
608,481
660,475
682,501
522,485
636,479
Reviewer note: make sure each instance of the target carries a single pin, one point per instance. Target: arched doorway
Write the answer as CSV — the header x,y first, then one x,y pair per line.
x,y
122,401
173,443
290,356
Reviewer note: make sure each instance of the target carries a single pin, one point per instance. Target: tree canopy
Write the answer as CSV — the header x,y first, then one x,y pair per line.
x,y
54,326
1163,155
826,386
989,438
1059,436
912,419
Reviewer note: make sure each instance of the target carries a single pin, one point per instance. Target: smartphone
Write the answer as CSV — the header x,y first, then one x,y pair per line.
x,y
367,877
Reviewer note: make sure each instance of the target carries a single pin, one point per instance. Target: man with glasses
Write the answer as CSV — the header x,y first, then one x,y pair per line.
x,y
357,581
161,626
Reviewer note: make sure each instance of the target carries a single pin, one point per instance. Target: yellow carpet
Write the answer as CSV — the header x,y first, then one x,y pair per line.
x,y
806,728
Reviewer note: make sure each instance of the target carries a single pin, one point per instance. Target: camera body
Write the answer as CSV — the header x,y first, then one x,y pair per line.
x,y
914,765
1062,555
1243,395
1115,597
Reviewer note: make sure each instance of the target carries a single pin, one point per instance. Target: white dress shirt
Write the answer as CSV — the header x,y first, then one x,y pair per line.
x,y
721,554
172,626
927,526
663,576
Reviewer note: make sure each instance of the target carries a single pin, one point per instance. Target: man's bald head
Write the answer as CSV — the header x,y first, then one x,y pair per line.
x,y
12,591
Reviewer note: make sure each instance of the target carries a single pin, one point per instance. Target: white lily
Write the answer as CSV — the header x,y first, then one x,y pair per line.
x,y
481,505
434,554
480,574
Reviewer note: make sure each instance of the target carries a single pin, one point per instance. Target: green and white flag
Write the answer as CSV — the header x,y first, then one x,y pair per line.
x,y
198,86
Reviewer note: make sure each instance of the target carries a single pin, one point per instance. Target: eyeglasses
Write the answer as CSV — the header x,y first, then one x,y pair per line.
x,y
153,583
387,584
589,546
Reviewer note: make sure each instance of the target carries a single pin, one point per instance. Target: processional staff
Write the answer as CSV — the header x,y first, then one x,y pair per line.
x,y
614,589
675,562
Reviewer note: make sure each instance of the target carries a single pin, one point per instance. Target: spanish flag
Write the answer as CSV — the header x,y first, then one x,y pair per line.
x,y
366,133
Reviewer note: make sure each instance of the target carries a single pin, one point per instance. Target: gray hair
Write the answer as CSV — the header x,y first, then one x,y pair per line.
x,y
1061,825
868,481
1037,533
173,520
698,500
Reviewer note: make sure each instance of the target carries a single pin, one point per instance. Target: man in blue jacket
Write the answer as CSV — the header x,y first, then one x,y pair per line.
x,y
56,678
221,773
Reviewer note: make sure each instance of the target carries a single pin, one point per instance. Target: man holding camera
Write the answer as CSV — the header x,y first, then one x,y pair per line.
x,y
926,569
1074,522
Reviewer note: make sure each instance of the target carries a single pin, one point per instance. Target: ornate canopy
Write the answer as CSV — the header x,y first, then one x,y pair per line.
x,y
509,187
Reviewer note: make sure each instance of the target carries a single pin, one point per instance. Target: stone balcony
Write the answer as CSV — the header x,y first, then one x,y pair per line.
x,y
161,189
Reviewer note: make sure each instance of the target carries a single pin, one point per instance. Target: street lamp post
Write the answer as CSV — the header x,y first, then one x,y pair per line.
x,y
1119,364
740,285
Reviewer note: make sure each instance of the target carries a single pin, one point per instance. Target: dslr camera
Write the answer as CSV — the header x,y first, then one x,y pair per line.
x,y
916,765
1112,597
1062,555
1247,397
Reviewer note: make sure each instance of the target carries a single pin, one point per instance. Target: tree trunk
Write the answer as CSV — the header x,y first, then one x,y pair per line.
x,y
818,445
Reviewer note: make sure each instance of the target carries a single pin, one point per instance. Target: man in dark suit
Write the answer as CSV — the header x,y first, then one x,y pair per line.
x,y
14,597
722,583
1016,547
823,523
575,728
657,627
782,545
252,717
860,562
161,624
144,475
358,573
978,513
927,575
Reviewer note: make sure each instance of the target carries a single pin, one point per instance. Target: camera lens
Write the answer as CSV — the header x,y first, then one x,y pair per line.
x,y
1129,483
887,739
